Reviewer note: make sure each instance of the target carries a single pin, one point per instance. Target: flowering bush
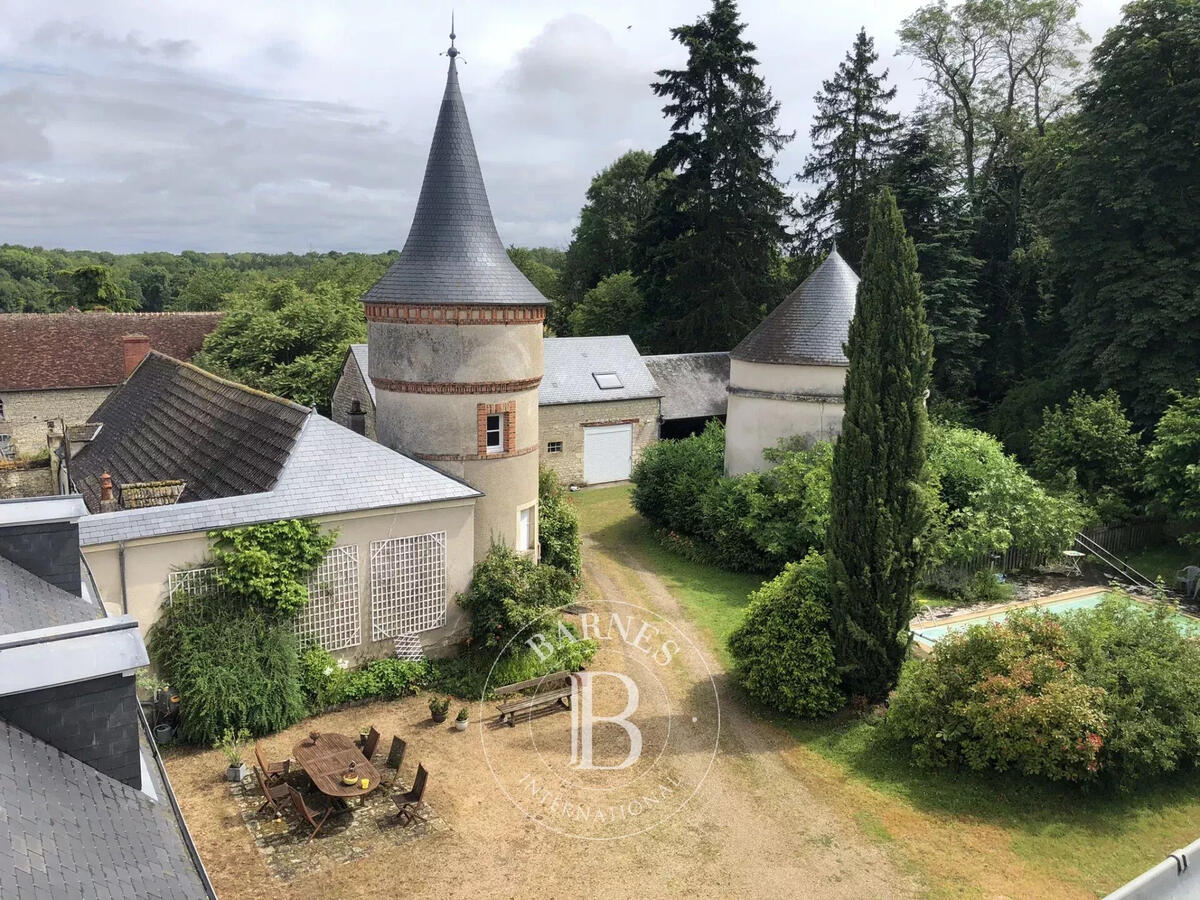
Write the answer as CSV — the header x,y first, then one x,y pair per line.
x,y
1002,696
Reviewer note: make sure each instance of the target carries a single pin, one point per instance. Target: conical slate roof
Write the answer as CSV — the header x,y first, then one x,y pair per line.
x,y
453,254
810,326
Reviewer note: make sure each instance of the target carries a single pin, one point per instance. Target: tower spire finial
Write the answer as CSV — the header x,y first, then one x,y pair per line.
x,y
453,51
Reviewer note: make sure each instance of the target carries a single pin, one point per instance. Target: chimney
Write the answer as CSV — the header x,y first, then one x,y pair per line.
x,y
41,535
358,418
136,347
107,503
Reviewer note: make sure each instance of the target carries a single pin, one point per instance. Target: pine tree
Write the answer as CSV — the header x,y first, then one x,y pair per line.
x,y
852,135
879,507
707,259
923,175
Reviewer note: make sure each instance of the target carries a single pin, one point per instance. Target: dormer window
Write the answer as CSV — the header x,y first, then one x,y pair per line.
x,y
607,381
494,433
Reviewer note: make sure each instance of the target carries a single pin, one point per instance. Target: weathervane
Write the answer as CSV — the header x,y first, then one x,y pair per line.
x,y
453,51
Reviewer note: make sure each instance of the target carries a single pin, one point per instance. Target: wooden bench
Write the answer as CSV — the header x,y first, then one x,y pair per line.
x,y
552,689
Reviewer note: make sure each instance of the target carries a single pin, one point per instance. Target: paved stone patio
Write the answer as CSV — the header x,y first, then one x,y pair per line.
x,y
344,837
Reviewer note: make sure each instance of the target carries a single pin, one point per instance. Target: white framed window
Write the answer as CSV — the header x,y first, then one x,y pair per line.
x,y
526,527
494,433
554,447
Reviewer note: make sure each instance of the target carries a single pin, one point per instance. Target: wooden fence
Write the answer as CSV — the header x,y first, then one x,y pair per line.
x,y
1116,539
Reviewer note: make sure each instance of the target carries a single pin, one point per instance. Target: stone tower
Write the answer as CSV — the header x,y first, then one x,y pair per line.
x,y
788,376
455,335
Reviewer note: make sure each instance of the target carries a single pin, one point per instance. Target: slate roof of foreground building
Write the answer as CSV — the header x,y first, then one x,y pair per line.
x,y
244,457
453,254
810,326
571,367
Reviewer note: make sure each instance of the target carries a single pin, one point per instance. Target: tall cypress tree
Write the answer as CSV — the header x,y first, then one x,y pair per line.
x,y
880,513
852,134
707,259
923,175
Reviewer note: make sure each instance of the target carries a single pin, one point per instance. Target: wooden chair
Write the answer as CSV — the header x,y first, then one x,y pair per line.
x,y
275,772
408,805
395,757
274,794
308,813
368,749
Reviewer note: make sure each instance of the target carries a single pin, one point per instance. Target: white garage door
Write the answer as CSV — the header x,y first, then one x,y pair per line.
x,y
607,453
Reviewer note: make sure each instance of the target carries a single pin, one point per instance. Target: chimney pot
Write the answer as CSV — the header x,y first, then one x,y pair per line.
x,y
136,346
357,418
107,503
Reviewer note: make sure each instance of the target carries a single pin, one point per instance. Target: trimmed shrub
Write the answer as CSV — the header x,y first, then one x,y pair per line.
x,y
1150,674
324,683
672,478
558,526
508,591
233,668
1002,696
782,651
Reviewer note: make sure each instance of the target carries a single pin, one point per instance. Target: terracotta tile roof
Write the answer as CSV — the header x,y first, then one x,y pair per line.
x,y
40,351
173,421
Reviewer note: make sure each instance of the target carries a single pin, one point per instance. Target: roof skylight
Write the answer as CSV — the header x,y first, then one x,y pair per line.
x,y
607,381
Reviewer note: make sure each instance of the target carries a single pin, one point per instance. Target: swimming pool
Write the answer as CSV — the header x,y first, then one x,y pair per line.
x,y
926,634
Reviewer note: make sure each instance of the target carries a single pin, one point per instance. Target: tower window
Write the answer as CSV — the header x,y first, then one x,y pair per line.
x,y
495,433
525,528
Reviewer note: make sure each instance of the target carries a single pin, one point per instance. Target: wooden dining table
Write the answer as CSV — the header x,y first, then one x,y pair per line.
x,y
326,760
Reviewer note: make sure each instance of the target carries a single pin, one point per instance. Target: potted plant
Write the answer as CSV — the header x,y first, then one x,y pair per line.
x,y
438,707
460,721
363,732
232,744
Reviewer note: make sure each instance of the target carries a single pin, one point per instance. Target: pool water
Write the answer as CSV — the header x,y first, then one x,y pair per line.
x,y
926,635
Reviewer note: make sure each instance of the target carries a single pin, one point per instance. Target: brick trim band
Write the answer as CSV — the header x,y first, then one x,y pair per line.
x,y
472,457
609,422
429,314
456,387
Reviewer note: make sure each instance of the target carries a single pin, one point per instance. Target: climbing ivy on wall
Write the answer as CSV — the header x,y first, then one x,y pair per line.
x,y
267,566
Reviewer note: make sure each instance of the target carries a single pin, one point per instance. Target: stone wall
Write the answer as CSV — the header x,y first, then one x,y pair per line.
x,y
26,412
350,387
25,480
565,423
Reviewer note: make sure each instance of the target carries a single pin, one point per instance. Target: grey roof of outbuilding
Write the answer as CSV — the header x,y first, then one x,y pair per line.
x,y
810,326
330,470
694,385
172,420
359,351
28,603
453,254
69,831
569,366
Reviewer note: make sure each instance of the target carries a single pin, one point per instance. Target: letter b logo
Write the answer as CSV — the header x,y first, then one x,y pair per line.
x,y
582,720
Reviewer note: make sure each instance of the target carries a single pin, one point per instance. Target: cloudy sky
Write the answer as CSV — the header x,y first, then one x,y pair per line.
x,y
235,125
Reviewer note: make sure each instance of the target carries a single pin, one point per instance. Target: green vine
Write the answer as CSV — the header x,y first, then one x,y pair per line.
x,y
267,566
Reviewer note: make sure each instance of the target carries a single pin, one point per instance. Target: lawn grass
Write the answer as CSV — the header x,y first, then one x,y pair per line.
x,y
1093,839
1163,561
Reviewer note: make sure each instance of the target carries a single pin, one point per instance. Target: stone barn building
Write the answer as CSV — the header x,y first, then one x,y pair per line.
x,y
787,377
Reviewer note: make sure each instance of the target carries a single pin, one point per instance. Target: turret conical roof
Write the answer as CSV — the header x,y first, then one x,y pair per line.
x,y
811,325
453,254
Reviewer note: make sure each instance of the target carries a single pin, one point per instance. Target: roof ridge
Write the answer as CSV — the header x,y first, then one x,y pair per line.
x,y
228,382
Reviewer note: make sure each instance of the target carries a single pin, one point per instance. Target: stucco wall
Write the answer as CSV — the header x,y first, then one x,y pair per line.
x,y
351,387
27,411
564,422
148,562
447,371
771,402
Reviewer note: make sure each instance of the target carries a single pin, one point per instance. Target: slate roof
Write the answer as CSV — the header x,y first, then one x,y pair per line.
x,y
810,326
42,351
570,364
359,351
171,420
453,254
28,603
331,469
69,831
694,385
